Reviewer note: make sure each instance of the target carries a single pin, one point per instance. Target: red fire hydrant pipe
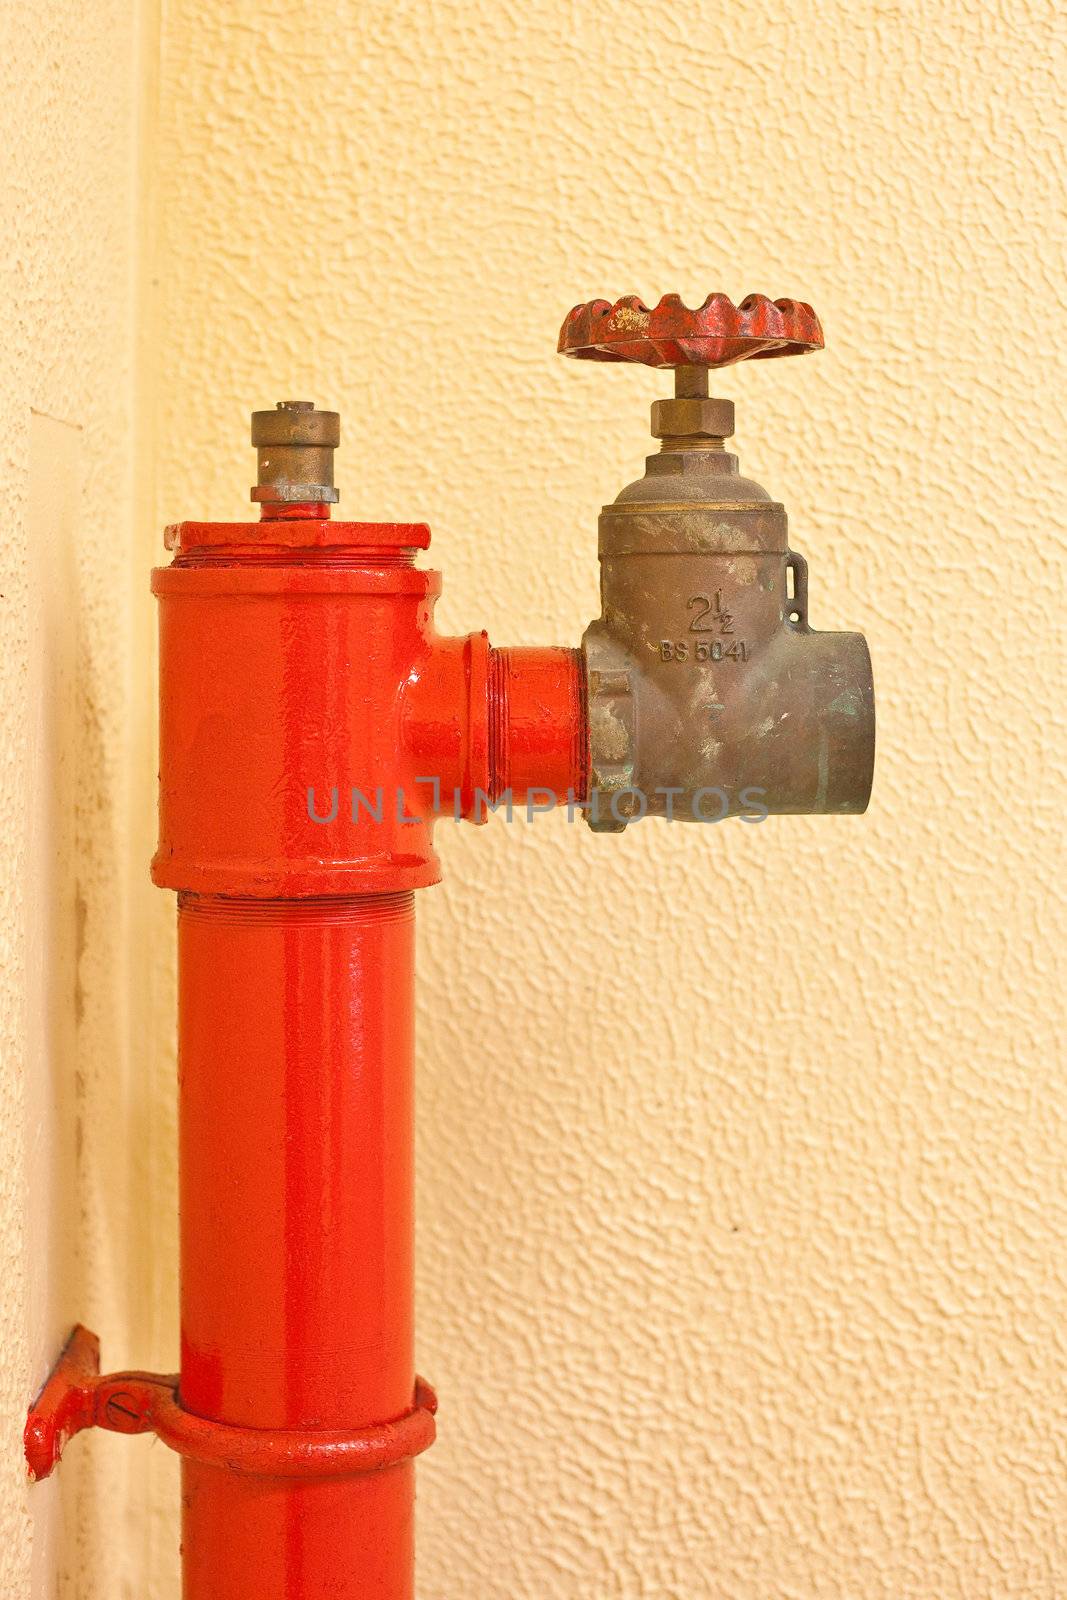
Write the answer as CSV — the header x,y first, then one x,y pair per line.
x,y
296,1063
313,726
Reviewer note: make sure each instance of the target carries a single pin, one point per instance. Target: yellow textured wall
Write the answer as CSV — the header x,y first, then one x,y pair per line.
x,y
71,131
741,1180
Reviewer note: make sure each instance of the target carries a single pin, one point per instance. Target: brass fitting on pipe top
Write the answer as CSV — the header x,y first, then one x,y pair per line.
x,y
295,444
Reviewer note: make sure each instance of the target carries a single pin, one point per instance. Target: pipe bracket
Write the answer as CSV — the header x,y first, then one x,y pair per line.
x,y
76,1397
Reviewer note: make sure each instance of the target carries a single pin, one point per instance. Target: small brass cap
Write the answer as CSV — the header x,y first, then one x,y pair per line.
x,y
295,445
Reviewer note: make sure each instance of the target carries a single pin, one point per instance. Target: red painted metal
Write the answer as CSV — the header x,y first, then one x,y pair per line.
x,y
672,334
313,725
301,654
538,735
296,1180
65,1405
77,1397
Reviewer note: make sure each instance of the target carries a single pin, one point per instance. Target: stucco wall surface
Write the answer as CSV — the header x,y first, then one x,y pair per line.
x,y
70,77
741,1183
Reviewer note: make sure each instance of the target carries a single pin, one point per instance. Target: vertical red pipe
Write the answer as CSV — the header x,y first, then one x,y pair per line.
x,y
311,723
296,1231
282,650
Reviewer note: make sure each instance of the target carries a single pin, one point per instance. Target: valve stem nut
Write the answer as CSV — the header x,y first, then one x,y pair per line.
x,y
692,417
295,445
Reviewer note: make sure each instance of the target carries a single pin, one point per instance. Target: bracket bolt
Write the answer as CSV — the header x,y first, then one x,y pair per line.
x,y
123,1413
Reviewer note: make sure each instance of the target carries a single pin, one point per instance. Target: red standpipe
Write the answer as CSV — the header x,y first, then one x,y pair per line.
x,y
313,726
312,723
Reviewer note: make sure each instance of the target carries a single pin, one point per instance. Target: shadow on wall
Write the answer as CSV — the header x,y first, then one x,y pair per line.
x,y
68,823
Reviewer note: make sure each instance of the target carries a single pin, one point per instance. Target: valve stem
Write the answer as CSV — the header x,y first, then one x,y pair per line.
x,y
690,383
692,420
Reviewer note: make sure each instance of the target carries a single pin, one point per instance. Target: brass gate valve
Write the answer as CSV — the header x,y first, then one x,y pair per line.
x,y
709,693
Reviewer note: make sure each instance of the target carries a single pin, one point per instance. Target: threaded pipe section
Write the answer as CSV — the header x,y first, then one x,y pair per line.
x,y
538,723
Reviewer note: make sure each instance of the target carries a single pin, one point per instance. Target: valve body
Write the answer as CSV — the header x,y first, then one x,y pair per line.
x,y
709,693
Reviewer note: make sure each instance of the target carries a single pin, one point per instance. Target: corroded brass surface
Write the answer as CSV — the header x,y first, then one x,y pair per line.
x,y
709,692
692,416
295,445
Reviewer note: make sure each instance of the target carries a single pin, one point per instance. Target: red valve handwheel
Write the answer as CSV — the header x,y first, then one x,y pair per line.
x,y
716,334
